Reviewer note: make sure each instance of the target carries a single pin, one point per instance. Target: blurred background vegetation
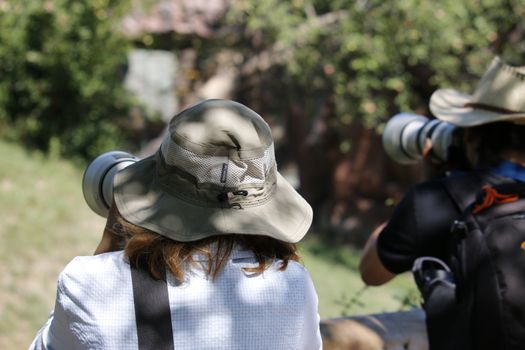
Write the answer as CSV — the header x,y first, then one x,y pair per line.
x,y
326,75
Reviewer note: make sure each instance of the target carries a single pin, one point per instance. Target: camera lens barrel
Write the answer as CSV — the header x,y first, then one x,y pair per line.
x,y
400,137
97,182
442,138
406,135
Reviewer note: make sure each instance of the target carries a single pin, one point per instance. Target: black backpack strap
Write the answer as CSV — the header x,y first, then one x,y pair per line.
x,y
152,309
464,188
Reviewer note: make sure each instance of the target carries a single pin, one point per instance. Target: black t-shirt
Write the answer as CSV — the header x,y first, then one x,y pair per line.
x,y
421,222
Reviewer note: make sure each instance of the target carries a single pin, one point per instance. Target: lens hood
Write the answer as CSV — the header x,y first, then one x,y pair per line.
x,y
400,137
97,182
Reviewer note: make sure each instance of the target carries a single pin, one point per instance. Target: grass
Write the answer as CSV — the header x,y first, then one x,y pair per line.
x,y
45,223
340,288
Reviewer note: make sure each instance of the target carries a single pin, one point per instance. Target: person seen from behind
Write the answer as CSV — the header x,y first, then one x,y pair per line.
x,y
491,123
198,251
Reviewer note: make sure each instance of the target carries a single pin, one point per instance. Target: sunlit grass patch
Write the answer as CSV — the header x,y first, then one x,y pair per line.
x,y
334,270
45,223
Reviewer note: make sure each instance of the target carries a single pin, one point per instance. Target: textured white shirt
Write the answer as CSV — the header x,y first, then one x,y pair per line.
x,y
94,307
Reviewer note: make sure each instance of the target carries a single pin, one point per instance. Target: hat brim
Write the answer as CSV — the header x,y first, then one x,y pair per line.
x,y
449,106
286,216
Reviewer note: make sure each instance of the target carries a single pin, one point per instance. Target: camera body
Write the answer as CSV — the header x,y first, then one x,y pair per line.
x,y
406,136
97,182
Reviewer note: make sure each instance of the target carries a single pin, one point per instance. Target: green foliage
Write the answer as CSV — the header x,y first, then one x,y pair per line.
x,y
59,61
374,58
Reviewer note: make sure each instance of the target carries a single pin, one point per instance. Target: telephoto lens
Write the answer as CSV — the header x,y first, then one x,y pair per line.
x,y
97,183
406,135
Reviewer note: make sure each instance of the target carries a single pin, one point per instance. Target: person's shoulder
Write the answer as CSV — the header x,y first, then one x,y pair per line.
x,y
439,184
297,266
457,187
92,267
88,281
295,274
94,261
294,269
301,277
426,188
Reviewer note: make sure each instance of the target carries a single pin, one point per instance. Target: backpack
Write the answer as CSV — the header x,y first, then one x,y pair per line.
x,y
477,300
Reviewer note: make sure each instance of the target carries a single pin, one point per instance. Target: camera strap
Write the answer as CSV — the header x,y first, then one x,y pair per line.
x,y
152,309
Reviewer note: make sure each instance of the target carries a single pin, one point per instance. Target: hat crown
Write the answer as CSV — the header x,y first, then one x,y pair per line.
x,y
214,174
220,143
502,86
221,127
499,97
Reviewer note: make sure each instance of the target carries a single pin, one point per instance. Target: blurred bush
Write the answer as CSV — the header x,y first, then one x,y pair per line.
x,y
372,58
334,71
61,69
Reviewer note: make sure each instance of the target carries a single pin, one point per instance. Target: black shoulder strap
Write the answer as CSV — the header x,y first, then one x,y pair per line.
x,y
152,310
463,189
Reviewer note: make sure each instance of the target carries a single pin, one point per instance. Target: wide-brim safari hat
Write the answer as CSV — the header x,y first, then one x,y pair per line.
x,y
214,174
499,96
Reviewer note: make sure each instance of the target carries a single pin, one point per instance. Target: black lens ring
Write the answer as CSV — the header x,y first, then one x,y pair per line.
x,y
428,136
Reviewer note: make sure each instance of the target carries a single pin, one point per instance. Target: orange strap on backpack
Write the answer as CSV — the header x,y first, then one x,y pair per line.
x,y
494,197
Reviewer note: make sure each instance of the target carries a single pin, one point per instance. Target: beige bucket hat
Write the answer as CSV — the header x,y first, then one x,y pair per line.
x,y
499,96
215,173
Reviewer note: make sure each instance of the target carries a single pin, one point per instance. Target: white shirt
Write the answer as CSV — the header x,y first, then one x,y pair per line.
x,y
275,310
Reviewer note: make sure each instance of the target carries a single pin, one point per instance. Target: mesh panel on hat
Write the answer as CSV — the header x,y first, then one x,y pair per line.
x,y
219,170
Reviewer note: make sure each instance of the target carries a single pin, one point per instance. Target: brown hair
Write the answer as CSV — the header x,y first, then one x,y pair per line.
x,y
160,253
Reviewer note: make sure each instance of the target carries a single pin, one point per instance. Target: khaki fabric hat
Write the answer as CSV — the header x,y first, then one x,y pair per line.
x,y
215,173
499,96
